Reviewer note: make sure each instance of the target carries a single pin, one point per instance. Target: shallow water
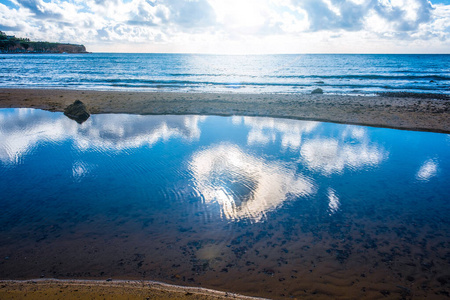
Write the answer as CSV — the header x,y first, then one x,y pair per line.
x,y
260,206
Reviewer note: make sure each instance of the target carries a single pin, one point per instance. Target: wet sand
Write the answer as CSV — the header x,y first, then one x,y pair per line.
x,y
95,289
392,111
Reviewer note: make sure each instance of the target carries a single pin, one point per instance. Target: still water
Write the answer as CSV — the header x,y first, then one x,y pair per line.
x,y
260,206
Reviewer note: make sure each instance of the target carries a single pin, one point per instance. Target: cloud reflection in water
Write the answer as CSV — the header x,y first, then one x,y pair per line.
x,y
331,156
265,130
245,186
321,152
23,129
351,149
118,132
427,170
333,204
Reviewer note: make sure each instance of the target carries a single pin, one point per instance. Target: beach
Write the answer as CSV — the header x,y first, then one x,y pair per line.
x,y
408,112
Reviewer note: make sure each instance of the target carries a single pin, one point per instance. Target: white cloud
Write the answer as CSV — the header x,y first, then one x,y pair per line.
x,y
287,26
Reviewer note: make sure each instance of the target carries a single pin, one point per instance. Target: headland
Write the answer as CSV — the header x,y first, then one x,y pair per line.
x,y
15,45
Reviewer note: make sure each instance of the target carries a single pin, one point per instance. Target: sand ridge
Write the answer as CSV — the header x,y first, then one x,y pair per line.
x,y
380,111
50,288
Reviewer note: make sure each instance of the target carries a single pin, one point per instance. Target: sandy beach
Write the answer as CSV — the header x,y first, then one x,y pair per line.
x,y
394,111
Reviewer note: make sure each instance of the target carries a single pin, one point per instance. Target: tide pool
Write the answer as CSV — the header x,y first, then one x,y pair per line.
x,y
259,206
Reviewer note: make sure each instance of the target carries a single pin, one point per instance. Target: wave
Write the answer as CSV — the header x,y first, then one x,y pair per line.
x,y
317,77
139,83
377,77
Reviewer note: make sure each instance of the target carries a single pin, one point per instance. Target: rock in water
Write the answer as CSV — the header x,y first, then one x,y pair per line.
x,y
317,91
77,111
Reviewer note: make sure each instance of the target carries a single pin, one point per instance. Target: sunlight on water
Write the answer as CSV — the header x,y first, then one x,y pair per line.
x,y
244,204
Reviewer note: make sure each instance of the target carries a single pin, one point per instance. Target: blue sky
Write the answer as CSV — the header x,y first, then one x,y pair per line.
x,y
235,26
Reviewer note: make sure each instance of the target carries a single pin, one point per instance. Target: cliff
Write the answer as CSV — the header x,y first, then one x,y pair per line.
x,y
11,44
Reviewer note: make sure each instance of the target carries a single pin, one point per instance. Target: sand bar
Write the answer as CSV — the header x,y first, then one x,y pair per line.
x,y
410,113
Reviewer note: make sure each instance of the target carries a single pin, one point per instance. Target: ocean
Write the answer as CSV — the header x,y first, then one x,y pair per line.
x,y
359,74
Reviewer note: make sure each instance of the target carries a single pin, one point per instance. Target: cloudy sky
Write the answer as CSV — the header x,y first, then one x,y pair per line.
x,y
235,26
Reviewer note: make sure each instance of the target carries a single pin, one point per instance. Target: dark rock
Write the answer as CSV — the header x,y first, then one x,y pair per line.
x,y
269,272
443,280
77,112
317,91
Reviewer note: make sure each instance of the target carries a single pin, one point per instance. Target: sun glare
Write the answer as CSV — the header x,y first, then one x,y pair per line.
x,y
242,16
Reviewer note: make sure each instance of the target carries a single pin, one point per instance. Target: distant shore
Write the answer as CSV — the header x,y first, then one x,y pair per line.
x,y
397,111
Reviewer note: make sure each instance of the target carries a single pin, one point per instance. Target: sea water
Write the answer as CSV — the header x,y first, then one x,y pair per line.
x,y
334,73
261,206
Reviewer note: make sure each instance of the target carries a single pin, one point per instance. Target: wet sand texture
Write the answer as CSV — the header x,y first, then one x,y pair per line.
x,y
84,289
380,111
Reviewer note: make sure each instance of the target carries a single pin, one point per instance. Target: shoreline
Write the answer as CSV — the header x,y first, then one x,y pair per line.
x,y
394,111
52,288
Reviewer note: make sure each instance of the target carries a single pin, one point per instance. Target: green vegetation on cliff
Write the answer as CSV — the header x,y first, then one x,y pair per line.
x,y
12,44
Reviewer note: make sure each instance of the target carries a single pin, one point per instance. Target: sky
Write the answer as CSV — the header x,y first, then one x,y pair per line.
x,y
234,26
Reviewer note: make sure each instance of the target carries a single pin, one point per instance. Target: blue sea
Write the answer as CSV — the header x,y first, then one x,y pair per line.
x,y
334,73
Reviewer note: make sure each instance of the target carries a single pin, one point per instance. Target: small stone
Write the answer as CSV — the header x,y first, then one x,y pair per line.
x,y
77,111
109,279
317,91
